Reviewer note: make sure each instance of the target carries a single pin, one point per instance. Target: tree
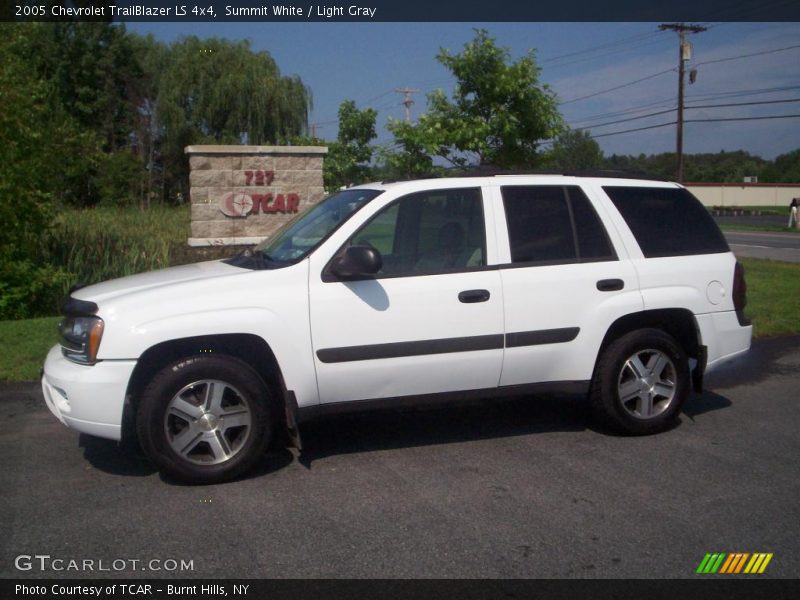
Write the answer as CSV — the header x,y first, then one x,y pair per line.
x,y
784,169
575,150
93,72
32,130
498,114
348,158
721,167
218,91
93,69
417,147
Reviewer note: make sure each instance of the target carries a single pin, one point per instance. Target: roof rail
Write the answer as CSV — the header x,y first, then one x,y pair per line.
x,y
492,171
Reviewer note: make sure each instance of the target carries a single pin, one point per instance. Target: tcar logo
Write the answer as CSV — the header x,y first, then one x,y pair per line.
x,y
234,204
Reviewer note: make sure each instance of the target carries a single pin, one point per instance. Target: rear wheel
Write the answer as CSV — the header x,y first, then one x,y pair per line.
x,y
641,382
205,419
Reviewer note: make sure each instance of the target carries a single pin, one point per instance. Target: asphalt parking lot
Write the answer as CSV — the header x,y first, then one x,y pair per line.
x,y
522,488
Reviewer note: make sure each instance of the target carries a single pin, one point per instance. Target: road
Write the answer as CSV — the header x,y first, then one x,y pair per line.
x,y
775,246
522,488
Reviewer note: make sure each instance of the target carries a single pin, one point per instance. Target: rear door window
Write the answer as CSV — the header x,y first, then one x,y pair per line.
x,y
553,224
667,221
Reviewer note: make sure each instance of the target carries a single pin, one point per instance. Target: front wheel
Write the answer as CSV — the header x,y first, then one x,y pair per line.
x,y
204,419
641,382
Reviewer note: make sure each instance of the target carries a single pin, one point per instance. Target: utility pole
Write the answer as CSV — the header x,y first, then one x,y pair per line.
x,y
684,53
314,127
407,101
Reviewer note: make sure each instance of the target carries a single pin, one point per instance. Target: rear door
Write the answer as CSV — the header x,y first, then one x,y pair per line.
x,y
563,281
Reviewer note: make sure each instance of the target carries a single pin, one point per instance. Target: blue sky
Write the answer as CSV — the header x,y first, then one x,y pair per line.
x,y
367,61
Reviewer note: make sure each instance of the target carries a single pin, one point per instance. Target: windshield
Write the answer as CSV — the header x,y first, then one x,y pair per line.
x,y
298,237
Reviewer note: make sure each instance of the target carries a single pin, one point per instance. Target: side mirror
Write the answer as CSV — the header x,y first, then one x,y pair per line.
x,y
357,262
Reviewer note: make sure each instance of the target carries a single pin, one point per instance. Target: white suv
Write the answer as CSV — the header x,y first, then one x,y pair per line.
x,y
390,293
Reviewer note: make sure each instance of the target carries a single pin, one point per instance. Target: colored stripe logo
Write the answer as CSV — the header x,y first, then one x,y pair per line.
x,y
732,563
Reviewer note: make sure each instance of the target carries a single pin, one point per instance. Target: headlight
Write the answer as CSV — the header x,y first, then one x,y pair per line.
x,y
80,338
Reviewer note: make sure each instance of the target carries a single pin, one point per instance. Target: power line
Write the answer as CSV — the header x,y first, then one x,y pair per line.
x,y
378,97
767,117
661,112
668,102
740,93
631,109
690,98
596,56
743,119
637,37
740,56
745,103
632,130
654,75
605,54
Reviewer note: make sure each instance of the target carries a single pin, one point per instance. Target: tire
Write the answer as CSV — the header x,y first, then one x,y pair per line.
x,y
204,419
641,383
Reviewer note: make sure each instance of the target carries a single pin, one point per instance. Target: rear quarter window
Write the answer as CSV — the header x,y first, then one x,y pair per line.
x,y
667,221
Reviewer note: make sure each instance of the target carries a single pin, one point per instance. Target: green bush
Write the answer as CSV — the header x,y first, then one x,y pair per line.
x,y
87,246
121,180
29,290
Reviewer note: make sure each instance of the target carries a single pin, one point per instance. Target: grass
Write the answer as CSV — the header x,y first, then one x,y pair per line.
x,y
761,228
26,343
773,305
773,296
104,243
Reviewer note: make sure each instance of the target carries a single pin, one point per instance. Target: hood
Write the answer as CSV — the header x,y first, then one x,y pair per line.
x,y
114,288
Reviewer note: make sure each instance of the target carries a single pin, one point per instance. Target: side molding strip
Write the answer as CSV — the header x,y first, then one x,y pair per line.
x,y
543,336
400,349
448,345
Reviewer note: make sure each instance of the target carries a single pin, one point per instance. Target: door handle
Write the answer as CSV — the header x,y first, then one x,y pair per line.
x,y
610,285
472,296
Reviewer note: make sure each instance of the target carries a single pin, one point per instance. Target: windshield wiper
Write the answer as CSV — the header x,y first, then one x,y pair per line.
x,y
252,259
260,254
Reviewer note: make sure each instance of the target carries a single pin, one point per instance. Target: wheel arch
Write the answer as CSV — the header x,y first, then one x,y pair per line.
x,y
677,322
250,349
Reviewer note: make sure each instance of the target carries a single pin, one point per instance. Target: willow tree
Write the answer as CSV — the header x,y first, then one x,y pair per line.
x,y
221,91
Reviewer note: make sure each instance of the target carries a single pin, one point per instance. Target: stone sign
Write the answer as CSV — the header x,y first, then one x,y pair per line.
x,y
241,194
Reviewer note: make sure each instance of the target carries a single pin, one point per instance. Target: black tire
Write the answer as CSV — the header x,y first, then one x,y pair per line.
x,y
181,420
634,405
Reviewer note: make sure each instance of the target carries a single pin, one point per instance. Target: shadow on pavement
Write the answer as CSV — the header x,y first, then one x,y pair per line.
x,y
406,428
755,366
703,403
114,458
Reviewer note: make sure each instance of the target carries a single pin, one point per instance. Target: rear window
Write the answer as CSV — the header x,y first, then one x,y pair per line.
x,y
667,221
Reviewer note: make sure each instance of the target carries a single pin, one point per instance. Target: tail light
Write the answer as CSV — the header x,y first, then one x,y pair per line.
x,y
740,293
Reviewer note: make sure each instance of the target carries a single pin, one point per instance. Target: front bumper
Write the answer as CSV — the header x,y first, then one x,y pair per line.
x,y
88,399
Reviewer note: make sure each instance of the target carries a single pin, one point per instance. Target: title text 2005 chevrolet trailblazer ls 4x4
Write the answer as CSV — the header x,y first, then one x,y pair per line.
x,y
622,289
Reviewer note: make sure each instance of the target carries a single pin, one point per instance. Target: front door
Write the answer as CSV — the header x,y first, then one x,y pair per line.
x,y
430,321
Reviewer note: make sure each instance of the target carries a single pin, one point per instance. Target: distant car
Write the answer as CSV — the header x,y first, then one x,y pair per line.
x,y
389,293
